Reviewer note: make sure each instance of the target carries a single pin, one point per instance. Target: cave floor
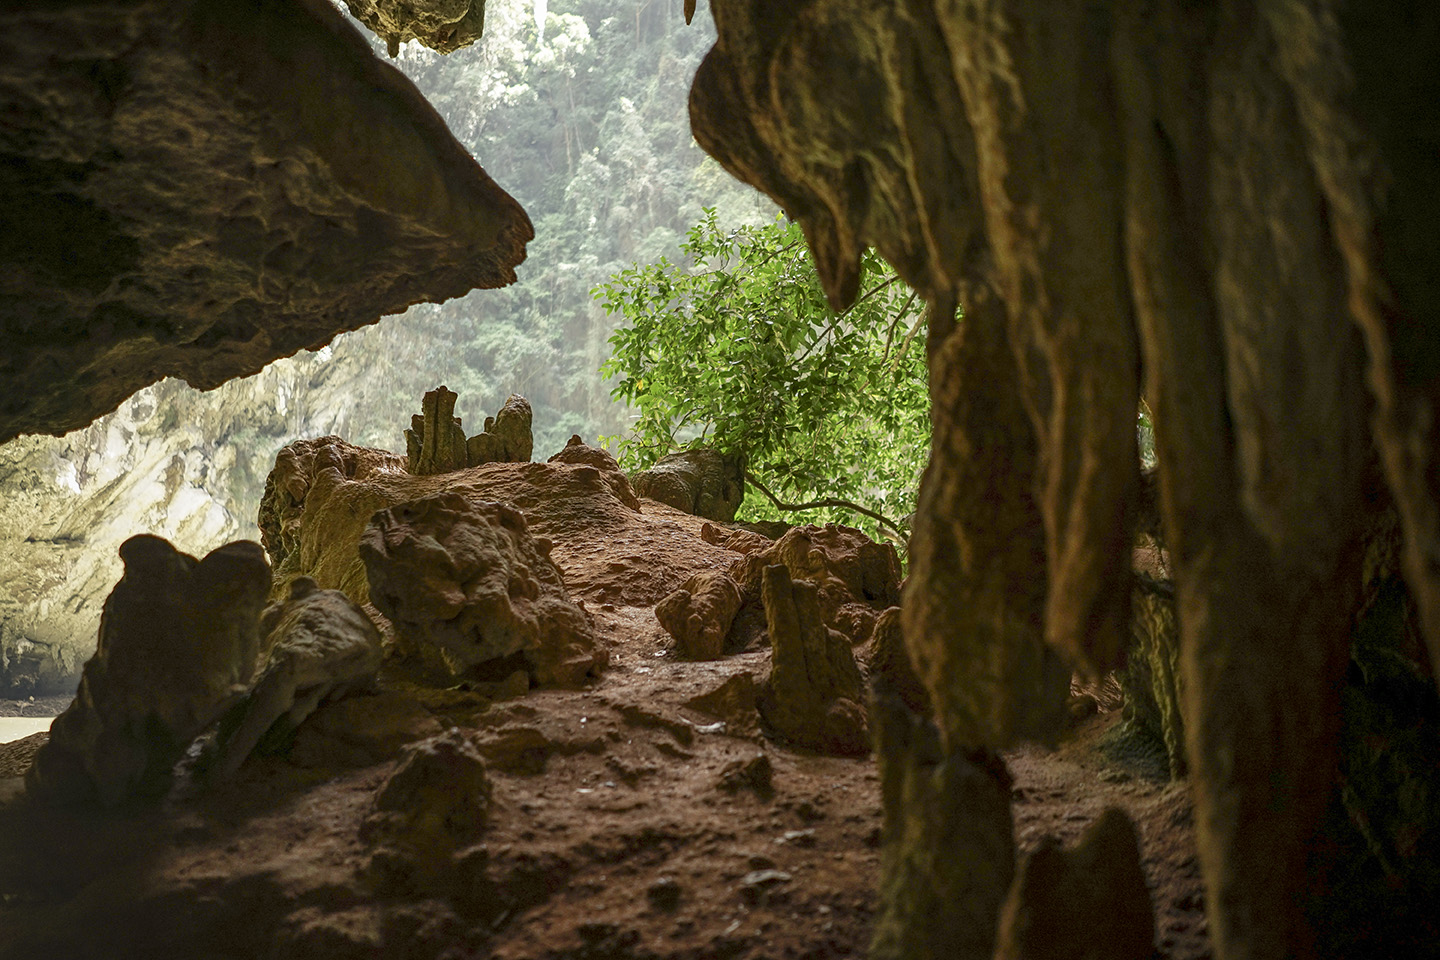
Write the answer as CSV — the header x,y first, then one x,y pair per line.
x,y
610,835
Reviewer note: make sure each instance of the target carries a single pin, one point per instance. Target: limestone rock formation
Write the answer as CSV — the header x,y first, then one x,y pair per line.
x,y
1087,902
1151,678
949,849
1223,203
321,647
442,25
814,695
704,482
699,614
436,443
855,578
887,662
178,646
577,451
198,189
465,583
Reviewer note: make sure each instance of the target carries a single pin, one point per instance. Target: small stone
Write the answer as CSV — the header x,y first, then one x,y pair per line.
x,y
798,838
755,774
664,894
759,886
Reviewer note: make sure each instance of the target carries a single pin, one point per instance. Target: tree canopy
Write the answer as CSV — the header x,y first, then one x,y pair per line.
x,y
736,348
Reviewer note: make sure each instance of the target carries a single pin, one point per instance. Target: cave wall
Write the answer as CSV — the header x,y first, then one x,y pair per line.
x,y
1227,207
195,189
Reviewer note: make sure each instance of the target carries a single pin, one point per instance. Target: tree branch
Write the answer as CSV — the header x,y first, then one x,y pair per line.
x,y
827,502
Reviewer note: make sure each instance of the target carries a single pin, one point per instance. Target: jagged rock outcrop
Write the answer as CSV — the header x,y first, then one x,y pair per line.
x,y
442,25
198,189
579,452
1089,901
704,482
436,442
814,695
856,579
698,615
321,646
178,646
466,584
1189,195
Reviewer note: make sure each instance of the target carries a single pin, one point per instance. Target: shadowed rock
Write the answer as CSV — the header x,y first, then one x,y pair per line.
x,y
887,663
1086,903
702,482
195,189
435,442
178,646
699,614
814,693
322,647
466,585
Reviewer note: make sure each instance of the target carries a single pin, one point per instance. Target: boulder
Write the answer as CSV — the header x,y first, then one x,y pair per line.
x,y
321,647
814,693
178,646
699,614
197,189
466,585
702,482
1089,902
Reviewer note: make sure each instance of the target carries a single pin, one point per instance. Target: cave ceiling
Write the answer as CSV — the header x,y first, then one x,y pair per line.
x,y
195,189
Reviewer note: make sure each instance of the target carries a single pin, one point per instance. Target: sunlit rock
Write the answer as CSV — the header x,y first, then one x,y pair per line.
x,y
465,583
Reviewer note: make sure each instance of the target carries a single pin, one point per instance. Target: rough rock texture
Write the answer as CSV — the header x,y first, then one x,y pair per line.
x,y
949,847
436,443
699,614
434,804
197,189
1227,201
178,646
464,582
579,452
856,579
321,646
814,695
703,482
1151,678
1086,903
886,662
442,25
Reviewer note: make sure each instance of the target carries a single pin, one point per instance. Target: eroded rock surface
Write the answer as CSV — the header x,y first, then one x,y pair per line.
x,y
442,25
466,584
436,442
321,647
579,452
197,189
704,482
814,695
178,646
699,614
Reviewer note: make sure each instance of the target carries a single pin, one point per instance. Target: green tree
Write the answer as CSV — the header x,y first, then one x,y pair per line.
x,y
738,349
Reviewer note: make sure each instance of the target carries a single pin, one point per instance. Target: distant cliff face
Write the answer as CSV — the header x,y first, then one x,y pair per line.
x,y
172,461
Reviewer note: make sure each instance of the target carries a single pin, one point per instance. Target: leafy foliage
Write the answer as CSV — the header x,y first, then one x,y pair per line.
x,y
738,349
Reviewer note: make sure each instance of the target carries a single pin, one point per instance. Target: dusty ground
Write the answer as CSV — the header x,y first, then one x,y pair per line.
x,y
623,824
